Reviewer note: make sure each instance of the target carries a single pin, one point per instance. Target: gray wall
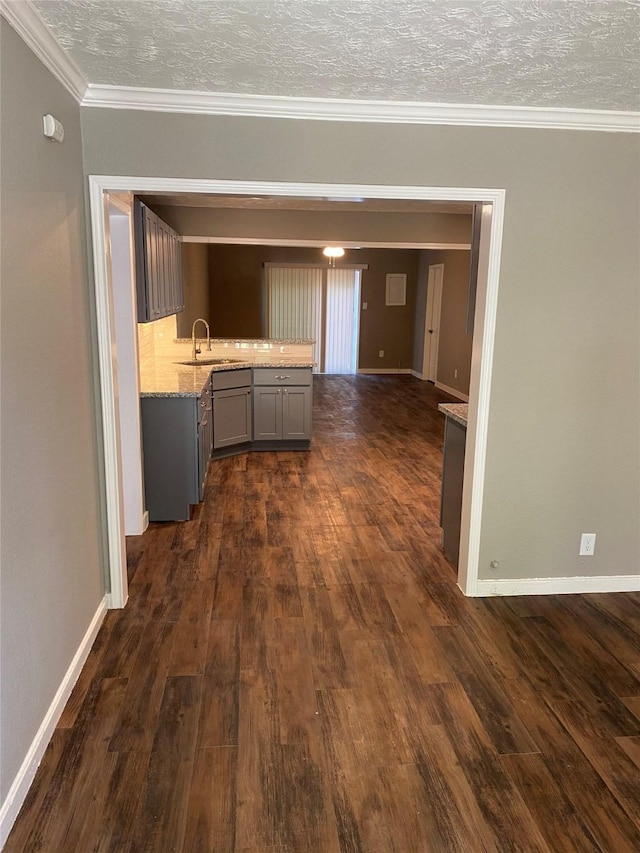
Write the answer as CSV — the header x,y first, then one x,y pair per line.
x,y
565,376
50,553
195,260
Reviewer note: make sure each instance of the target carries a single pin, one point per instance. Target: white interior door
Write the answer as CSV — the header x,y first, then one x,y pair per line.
x,y
432,322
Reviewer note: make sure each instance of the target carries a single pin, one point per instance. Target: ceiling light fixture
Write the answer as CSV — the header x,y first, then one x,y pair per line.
x,y
333,252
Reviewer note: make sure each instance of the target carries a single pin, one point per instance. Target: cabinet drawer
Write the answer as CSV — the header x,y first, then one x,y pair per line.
x,y
282,376
223,379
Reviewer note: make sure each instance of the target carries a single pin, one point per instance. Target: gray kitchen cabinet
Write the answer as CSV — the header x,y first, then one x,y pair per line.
x,y
455,436
159,275
177,437
232,410
282,405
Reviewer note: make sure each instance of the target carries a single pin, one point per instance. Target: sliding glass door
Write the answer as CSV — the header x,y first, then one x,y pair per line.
x,y
319,303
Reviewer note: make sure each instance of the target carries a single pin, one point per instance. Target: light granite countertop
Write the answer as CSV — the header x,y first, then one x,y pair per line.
x,y
260,341
163,377
458,412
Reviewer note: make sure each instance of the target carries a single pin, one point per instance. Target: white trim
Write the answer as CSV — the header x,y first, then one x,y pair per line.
x,y
557,586
480,387
338,109
419,375
453,391
108,384
24,777
145,520
296,243
490,250
375,370
26,21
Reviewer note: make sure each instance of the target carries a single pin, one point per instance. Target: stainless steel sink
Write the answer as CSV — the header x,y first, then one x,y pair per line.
x,y
208,361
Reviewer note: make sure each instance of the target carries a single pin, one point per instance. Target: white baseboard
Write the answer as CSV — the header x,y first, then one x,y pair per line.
x,y
453,391
556,586
376,370
21,784
145,521
419,375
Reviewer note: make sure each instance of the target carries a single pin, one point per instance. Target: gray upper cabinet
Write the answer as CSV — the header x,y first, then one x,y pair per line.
x,y
159,278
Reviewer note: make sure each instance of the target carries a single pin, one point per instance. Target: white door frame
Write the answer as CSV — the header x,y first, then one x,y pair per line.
x,y
481,363
434,307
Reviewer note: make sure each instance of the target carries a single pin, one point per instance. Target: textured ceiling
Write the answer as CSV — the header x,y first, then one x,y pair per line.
x,y
541,53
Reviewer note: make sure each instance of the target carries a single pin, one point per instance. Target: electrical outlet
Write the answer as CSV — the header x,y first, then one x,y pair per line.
x,y
587,545
365,305
380,353
455,373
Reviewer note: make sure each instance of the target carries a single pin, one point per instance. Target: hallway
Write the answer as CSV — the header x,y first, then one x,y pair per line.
x,y
297,672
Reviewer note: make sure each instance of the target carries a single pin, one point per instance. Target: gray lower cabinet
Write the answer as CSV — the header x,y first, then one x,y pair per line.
x,y
232,411
177,436
455,436
282,404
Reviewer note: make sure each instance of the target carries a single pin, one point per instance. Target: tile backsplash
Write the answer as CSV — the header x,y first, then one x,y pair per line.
x,y
156,339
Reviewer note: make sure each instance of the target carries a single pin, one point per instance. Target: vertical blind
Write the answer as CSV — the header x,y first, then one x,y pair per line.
x,y
316,303
294,304
341,321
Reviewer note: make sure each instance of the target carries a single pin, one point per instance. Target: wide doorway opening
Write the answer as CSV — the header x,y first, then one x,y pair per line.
x,y
490,202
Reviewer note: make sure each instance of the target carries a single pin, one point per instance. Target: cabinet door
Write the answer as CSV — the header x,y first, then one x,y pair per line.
x,y
455,438
231,417
154,300
179,277
267,413
296,413
171,459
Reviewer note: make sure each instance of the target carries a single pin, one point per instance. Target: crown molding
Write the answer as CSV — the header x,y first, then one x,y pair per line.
x,y
325,109
26,21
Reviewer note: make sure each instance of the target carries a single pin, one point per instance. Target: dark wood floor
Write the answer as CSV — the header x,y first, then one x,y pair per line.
x,y
297,672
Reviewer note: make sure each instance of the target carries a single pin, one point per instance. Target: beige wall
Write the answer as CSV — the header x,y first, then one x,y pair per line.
x,y
348,226
567,342
51,552
195,260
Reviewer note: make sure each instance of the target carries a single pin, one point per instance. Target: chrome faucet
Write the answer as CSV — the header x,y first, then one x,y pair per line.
x,y
194,341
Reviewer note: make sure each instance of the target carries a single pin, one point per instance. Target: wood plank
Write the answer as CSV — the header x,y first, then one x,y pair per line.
x,y
559,822
506,731
191,633
141,706
211,813
218,723
160,822
584,788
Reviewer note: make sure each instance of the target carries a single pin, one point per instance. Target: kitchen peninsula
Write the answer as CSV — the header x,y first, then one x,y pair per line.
x,y
234,396
455,437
